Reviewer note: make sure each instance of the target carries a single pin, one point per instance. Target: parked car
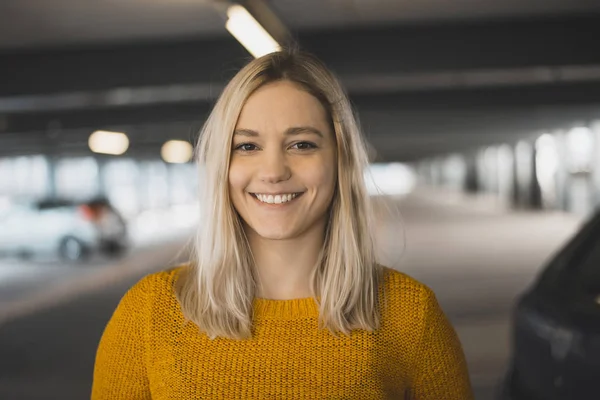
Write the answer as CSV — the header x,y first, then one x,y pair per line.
x,y
72,230
556,326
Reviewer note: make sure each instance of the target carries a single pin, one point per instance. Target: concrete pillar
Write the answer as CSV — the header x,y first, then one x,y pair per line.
x,y
535,199
528,194
434,176
101,182
482,172
171,183
562,171
596,164
580,148
423,172
491,161
143,185
524,173
505,172
51,176
515,181
471,183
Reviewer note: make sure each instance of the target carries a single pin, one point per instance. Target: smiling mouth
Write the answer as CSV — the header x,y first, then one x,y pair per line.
x,y
276,199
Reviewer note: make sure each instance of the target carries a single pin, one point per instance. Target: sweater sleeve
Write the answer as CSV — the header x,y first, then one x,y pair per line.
x,y
440,365
120,369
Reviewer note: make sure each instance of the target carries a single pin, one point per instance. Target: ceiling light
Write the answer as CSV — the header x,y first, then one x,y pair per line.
x,y
105,142
177,151
242,25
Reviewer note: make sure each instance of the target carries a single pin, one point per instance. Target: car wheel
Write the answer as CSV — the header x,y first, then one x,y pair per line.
x,y
113,249
72,249
24,255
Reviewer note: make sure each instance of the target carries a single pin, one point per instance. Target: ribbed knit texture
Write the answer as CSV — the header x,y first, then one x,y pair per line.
x,y
148,352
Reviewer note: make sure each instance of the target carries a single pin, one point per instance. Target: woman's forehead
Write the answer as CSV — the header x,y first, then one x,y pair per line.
x,y
281,105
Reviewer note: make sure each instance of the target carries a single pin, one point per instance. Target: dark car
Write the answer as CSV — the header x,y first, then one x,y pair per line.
x,y
556,326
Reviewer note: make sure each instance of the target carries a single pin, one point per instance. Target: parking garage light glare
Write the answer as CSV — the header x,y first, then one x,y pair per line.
x,y
105,142
177,151
545,141
580,139
580,143
242,26
546,161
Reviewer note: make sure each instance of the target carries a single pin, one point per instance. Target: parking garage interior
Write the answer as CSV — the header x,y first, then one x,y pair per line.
x,y
482,119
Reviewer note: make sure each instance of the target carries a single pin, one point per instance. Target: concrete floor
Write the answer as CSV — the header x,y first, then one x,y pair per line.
x,y
474,253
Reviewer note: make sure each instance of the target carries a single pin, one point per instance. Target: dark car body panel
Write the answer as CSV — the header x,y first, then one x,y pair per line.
x,y
556,329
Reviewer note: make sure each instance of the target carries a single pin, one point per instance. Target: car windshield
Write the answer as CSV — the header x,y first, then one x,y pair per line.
x,y
50,204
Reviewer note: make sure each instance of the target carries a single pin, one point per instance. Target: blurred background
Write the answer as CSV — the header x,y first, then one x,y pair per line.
x,y
484,121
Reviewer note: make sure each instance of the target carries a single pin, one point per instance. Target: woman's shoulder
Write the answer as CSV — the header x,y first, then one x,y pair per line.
x,y
158,284
166,276
403,284
405,296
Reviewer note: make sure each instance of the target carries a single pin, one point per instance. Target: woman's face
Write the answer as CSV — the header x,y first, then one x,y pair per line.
x,y
282,173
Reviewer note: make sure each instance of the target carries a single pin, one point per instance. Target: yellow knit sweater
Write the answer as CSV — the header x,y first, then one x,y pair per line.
x,y
147,352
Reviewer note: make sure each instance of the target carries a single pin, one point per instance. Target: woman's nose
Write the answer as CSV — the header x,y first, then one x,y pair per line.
x,y
274,167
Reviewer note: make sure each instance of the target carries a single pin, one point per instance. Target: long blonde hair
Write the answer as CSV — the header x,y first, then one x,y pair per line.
x,y
217,290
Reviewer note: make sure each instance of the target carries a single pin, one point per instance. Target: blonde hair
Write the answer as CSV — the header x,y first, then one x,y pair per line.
x,y
217,290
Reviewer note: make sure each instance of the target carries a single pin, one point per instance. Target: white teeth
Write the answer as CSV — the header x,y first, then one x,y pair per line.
x,y
277,199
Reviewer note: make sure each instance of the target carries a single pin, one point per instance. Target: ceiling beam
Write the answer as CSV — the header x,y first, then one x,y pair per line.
x,y
353,54
449,101
400,127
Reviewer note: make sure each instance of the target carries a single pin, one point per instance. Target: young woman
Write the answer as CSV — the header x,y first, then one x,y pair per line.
x,y
284,298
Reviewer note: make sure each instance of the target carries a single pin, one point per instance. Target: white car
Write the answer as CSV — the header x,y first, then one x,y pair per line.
x,y
73,231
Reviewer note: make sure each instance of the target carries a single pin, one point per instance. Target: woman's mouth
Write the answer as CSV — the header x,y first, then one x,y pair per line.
x,y
280,198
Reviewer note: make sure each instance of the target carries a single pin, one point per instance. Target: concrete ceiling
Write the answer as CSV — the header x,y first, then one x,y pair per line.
x,y
427,76
309,14
35,23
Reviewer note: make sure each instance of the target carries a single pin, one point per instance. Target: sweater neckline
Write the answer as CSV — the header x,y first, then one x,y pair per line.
x,y
285,309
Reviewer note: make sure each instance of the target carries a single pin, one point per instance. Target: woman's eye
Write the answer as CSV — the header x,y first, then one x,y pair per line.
x,y
246,147
304,146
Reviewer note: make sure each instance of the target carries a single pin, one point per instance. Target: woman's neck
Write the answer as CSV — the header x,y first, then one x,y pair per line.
x,y
284,266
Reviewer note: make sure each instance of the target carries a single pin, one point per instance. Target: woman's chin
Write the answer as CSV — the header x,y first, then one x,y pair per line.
x,y
273,233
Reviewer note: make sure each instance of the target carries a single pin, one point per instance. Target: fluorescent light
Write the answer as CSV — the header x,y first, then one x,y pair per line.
x,y
242,25
105,142
176,151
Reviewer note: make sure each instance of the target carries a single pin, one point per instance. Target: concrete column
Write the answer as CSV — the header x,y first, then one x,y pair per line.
x,y
171,183
101,183
471,183
562,172
515,181
436,172
482,173
423,172
524,173
505,172
596,165
492,165
581,147
535,199
51,176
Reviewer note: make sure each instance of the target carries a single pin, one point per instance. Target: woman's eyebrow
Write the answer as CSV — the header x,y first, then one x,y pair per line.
x,y
303,129
245,132
295,130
